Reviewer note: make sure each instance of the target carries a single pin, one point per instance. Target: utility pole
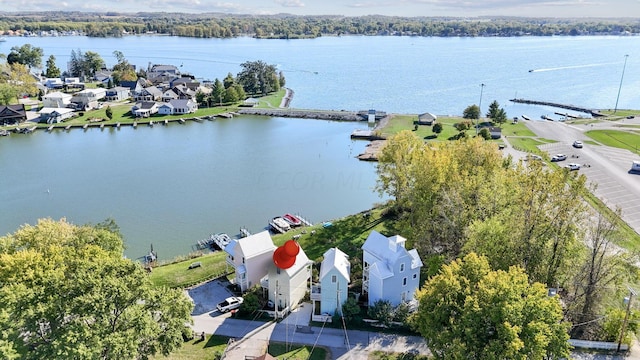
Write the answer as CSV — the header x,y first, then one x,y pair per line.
x,y
620,87
626,318
479,108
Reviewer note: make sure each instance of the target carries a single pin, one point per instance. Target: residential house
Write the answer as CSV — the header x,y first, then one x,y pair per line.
x,y
117,93
251,257
165,109
162,73
103,76
54,115
183,106
56,99
187,82
169,95
88,98
390,271
184,92
53,83
150,93
287,287
73,83
327,297
144,108
496,132
134,86
427,119
12,114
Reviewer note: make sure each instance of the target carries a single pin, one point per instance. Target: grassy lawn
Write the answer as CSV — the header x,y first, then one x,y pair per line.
x,y
382,355
211,348
296,352
528,144
271,101
617,138
178,274
519,129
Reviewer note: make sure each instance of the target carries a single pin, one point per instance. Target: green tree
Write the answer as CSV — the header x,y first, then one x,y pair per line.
x,y
217,92
123,71
52,70
67,292
437,128
257,77
485,133
351,310
15,80
471,112
494,107
26,54
468,311
92,63
109,112
381,310
228,81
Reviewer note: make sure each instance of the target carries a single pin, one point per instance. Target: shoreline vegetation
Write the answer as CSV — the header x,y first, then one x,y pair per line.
x,y
286,26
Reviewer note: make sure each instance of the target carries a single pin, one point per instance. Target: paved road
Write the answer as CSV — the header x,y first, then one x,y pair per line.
x,y
608,167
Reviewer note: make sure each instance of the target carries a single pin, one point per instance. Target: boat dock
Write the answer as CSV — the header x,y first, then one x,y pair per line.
x,y
592,112
314,114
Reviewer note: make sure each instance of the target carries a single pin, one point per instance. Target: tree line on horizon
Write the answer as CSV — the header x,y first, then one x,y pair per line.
x,y
294,26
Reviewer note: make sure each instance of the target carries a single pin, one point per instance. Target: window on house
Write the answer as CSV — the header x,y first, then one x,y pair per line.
x,y
404,281
243,259
415,276
333,279
402,267
278,270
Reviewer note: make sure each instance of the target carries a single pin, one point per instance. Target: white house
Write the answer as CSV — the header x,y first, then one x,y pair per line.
x,y
150,93
390,271
165,109
251,258
56,99
144,108
332,292
427,119
287,287
183,106
53,83
117,93
88,98
54,115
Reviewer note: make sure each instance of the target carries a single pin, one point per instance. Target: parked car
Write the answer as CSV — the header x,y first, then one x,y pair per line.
x,y
559,157
635,167
230,303
573,166
577,144
534,157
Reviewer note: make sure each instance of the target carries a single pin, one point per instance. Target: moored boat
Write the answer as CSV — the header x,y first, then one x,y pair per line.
x,y
292,219
280,224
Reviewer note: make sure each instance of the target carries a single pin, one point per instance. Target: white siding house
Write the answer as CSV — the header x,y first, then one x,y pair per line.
x,y
390,271
287,287
56,99
332,292
251,257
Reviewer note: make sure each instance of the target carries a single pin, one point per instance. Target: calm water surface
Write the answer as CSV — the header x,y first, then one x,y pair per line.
x,y
172,186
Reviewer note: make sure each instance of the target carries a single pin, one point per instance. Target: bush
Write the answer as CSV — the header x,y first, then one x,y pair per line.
x,y
381,311
485,133
437,128
460,135
463,125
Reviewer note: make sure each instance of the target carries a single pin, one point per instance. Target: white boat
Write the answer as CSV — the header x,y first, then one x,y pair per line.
x,y
281,223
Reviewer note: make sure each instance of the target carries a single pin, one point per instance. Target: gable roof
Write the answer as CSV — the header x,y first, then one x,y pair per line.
x,y
12,111
181,103
301,261
335,259
252,245
381,247
57,95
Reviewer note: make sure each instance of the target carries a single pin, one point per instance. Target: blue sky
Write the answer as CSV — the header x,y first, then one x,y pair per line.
x,y
458,8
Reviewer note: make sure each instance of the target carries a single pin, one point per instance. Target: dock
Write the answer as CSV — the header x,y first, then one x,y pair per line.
x,y
50,128
592,112
313,114
244,232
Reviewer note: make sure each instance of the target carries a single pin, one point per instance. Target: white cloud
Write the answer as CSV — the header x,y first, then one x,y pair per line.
x,y
290,3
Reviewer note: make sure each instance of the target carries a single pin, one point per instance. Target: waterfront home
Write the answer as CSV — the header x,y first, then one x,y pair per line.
x,y
103,76
12,114
144,108
55,115
169,95
162,73
117,93
150,93
251,258
328,296
88,98
287,287
178,106
56,99
186,82
426,119
390,271
73,83
184,92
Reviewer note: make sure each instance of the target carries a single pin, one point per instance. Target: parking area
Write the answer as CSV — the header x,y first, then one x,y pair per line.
x,y
206,296
608,169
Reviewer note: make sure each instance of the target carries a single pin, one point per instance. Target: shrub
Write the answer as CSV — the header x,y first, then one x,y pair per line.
x,y
437,128
485,133
381,311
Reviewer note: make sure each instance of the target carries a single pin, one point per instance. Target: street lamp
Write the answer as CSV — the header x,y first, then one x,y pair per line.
x,y
620,87
479,108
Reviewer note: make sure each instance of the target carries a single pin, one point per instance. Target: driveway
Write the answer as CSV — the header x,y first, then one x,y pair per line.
x,y
206,296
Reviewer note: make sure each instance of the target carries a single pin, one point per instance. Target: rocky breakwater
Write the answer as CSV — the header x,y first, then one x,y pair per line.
x,y
306,114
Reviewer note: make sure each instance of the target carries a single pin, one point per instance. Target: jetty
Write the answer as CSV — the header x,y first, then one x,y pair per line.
x,y
244,232
592,112
314,114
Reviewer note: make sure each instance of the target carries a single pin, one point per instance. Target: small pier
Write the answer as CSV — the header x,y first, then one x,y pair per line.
x,y
244,232
50,128
592,112
304,221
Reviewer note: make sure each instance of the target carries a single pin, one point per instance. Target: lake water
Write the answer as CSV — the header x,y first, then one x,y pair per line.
x,y
172,186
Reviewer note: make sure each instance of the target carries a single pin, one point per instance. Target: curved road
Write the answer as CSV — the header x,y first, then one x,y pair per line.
x,y
608,167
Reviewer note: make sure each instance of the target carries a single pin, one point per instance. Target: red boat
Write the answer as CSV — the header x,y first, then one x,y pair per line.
x,y
292,220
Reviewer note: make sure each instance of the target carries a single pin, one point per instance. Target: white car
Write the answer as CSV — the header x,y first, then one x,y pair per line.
x,y
573,166
230,303
559,157
577,144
